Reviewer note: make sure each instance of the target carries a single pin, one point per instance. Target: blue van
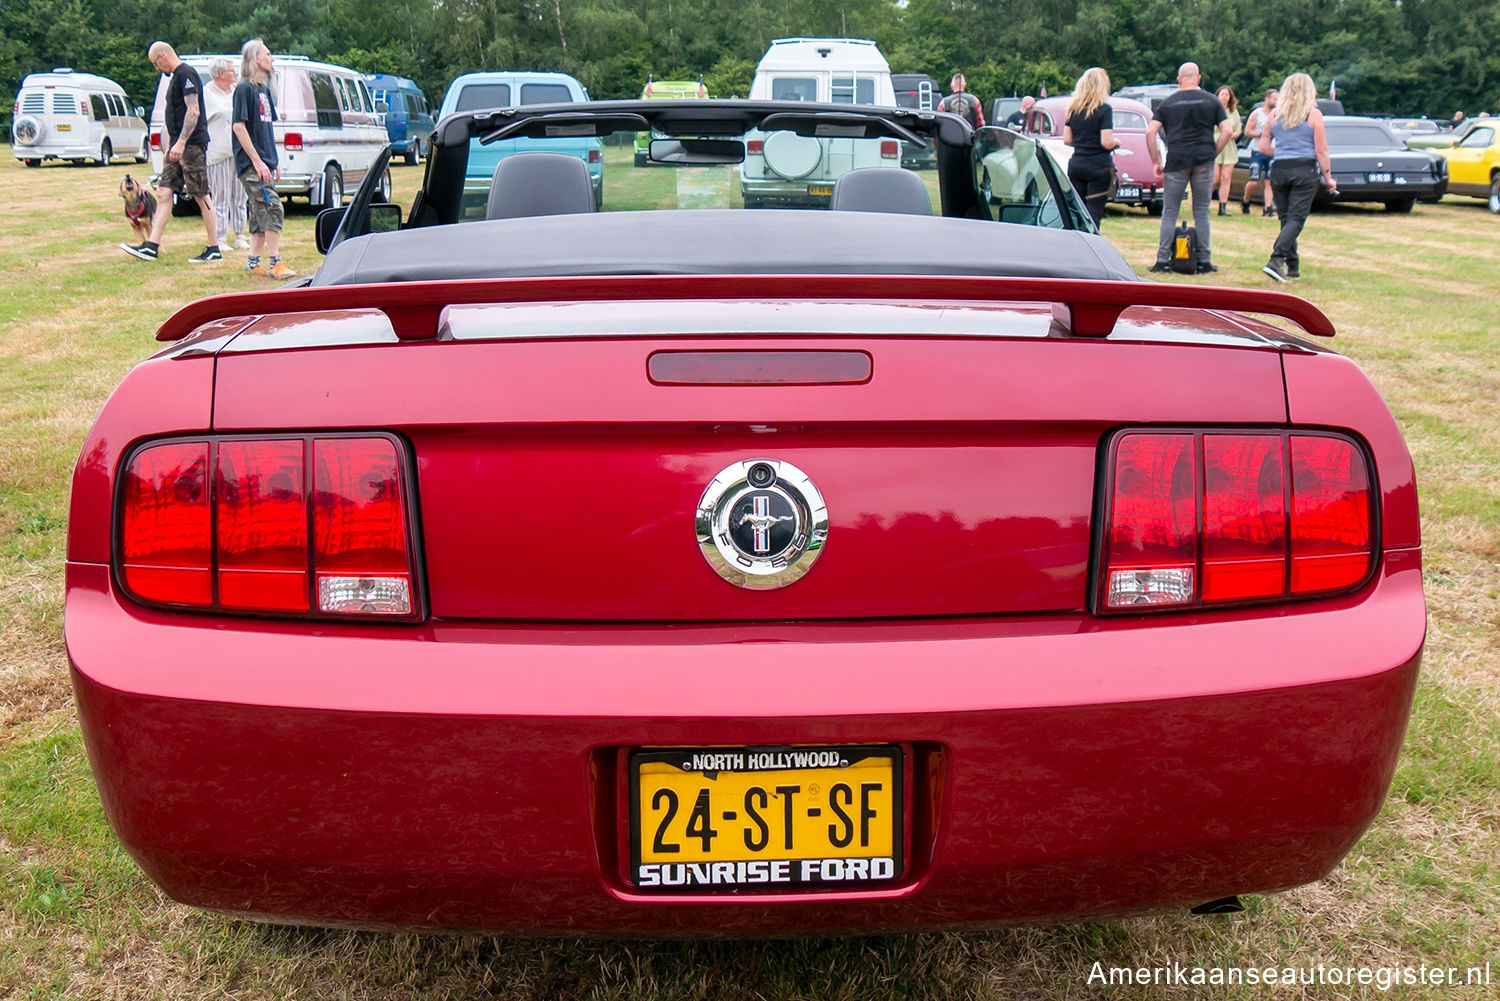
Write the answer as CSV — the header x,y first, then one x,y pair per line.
x,y
504,89
408,119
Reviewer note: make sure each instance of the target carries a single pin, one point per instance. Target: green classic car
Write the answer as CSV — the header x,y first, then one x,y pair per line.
x,y
1443,139
665,90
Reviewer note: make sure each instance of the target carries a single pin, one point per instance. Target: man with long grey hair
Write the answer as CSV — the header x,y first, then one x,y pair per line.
x,y
256,159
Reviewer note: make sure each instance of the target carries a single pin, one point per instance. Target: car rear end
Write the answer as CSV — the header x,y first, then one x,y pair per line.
x,y
394,614
52,122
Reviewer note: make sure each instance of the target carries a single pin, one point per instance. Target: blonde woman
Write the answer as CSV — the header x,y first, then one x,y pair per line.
x,y
1090,130
1298,148
1229,155
223,183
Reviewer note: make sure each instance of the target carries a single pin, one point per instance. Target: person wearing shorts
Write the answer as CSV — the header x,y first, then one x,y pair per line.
x,y
256,159
184,166
1260,163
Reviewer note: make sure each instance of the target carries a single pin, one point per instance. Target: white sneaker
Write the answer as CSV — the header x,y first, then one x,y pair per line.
x,y
224,248
241,243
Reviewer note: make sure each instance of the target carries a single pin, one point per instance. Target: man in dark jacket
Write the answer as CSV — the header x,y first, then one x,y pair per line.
x,y
184,166
1196,128
961,103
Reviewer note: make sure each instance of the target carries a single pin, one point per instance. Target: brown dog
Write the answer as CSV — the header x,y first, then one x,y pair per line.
x,y
140,207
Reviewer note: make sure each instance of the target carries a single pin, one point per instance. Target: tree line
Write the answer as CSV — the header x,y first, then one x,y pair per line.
x,y
1387,56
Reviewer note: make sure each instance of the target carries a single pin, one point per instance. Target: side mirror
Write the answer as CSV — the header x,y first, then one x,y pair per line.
x,y
382,217
140,112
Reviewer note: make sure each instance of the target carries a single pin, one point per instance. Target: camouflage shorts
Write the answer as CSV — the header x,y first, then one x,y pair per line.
x,y
264,209
188,176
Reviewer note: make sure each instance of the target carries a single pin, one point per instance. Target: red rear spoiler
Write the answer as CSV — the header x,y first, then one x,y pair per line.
x,y
1080,308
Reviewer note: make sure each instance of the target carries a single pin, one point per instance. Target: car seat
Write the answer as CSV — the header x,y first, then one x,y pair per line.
x,y
881,189
532,184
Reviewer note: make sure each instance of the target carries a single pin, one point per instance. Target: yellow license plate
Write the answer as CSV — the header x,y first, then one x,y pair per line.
x,y
723,818
64,127
820,189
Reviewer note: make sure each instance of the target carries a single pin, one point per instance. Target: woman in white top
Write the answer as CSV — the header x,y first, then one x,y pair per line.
x,y
223,186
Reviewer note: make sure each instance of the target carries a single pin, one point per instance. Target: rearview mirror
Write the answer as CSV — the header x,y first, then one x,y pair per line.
x,y
697,150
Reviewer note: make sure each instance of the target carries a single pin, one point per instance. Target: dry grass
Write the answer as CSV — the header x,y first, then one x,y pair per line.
x,y
1411,299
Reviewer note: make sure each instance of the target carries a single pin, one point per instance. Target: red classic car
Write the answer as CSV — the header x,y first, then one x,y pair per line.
x,y
522,574
1138,184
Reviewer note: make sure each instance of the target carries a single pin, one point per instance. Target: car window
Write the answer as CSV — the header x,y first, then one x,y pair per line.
x,y
96,104
1478,139
854,90
1350,135
483,95
326,101
1008,173
545,93
366,104
794,88
412,108
1129,119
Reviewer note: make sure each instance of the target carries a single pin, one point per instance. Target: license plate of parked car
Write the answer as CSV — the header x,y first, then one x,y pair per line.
x,y
719,818
1127,192
820,189
1379,177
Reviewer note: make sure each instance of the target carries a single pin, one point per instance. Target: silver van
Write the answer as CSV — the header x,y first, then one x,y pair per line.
x,y
327,130
65,115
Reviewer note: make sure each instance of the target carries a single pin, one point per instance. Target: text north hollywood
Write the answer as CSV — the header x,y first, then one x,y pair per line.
x,y
765,871
762,761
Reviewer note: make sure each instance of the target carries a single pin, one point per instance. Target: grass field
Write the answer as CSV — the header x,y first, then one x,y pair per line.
x,y
1414,299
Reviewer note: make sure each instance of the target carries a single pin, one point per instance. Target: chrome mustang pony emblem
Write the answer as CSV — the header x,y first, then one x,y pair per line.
x,y
761,523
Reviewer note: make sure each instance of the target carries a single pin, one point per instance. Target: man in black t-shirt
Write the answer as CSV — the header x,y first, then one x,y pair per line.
x,y
184,143
962,103
1017,119
1196,128
256,160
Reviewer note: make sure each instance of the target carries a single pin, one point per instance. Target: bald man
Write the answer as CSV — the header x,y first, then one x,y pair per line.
x,y
184,143
1196,128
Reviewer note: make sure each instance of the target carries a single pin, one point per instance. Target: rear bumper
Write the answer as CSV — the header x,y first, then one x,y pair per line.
x,y
470,775
775,191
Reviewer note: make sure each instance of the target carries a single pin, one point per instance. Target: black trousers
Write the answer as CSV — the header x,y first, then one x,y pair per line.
x,y
1294,185
1093,184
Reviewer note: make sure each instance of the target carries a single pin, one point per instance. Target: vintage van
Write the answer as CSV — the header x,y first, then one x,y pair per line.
x,y
65,115
665,90
785,169
408,119
327,131
510,88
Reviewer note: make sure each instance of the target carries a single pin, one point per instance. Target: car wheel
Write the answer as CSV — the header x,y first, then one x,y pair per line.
x,y
1495,194
144,153
642,159
333,188
385,186
1400,204
1154,209
106,153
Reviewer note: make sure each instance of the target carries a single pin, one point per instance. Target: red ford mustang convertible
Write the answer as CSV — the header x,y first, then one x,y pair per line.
x,y
905,565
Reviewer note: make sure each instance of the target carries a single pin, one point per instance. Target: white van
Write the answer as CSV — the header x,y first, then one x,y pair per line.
x,y
327,131
65,115
783,168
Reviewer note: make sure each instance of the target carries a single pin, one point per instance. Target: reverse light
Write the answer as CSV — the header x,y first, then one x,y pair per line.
x,y
292,142
307,525
1197,518
889,149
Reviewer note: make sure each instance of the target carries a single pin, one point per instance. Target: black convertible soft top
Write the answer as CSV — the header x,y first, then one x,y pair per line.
x,y
697,242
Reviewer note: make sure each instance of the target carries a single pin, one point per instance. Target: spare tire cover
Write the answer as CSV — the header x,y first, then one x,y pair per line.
x,y
28,130
792,156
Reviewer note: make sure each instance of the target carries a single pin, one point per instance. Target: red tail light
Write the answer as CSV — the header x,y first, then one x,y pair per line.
x,y
83,107
756,147
595,156
156,141
292,141
890,149
301,525
1205,518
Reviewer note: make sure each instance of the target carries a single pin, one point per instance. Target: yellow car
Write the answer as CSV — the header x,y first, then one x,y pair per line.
x,y
1474,163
